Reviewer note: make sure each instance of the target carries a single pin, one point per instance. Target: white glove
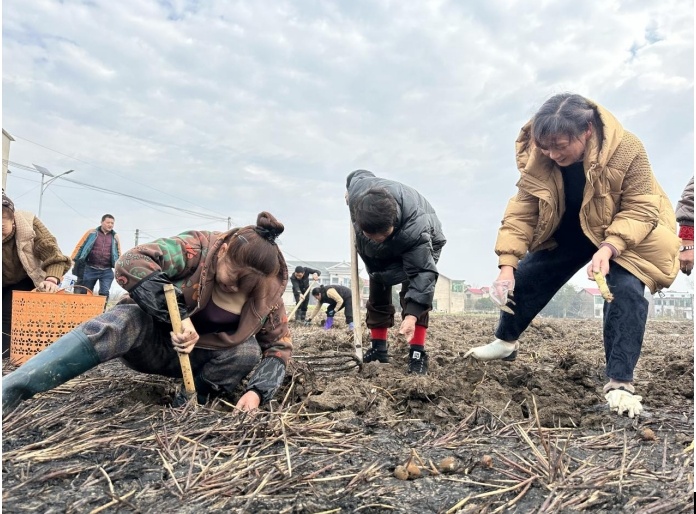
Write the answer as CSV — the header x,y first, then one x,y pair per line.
x,y
622,401
496,350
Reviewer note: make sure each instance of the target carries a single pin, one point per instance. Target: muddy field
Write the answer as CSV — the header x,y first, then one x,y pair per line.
x,y
533,435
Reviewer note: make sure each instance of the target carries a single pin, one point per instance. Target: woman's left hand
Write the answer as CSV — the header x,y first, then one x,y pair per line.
x,y
249,401
600,262
47,287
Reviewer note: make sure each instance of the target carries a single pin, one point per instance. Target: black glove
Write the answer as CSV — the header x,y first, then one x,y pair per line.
x,y
267,378
149,295
330,313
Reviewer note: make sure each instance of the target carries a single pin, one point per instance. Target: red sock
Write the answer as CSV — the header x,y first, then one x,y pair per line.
x,y
686,232
419,336
379,333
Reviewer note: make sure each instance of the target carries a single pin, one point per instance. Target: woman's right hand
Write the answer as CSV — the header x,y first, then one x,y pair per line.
x,y
506,273
503,285
186,341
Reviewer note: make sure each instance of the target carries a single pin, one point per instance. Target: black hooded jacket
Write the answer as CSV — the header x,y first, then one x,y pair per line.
x,y
300,285
412,251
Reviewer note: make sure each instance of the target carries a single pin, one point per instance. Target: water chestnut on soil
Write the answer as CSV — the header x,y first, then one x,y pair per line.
x,y
447,465
413,470
647,435
401,473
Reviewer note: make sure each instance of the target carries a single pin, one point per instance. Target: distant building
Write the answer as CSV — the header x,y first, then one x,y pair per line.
x,y
450,295
332,273
674,304
666,304
591,303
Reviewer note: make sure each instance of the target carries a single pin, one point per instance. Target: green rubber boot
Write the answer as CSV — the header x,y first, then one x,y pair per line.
x,y
68,357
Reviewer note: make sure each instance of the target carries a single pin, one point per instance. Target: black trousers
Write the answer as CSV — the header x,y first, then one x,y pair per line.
x,y
25,284
301,311
380,311
347,308
540,275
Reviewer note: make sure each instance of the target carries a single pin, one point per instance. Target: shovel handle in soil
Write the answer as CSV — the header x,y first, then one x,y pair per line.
x,y
302,297
355,287
173,307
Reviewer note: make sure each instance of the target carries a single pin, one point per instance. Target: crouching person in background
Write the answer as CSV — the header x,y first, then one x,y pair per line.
x,y
229,292
337,298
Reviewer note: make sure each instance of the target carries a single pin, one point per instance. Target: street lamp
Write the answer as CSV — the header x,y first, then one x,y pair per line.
x,y
45,172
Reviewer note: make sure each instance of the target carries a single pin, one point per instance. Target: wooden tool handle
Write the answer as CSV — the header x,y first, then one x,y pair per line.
x,y
356,290
173,307
302,297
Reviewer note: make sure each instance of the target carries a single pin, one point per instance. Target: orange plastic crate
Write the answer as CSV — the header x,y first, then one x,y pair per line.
x,y
38,319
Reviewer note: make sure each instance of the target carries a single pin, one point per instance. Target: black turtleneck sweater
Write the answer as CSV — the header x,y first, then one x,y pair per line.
x,y
570,231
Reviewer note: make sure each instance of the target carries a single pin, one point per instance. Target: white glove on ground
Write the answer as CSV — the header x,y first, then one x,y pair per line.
x,y
496,350
622,401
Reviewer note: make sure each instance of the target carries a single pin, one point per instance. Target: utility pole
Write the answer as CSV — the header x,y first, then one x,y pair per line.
x,y
229,223
137,231
6,139
45,172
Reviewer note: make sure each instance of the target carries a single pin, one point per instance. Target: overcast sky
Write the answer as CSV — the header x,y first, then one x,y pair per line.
x,y
231,108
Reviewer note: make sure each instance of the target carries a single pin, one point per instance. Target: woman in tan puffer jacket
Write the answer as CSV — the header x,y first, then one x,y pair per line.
x,y
586,194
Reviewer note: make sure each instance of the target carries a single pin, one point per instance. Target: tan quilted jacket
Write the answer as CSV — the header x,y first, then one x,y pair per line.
x,y
33,251
623,205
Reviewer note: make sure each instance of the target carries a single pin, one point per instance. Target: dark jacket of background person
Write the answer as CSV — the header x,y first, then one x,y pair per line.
x,y
300,285
342,298
685,210
412,251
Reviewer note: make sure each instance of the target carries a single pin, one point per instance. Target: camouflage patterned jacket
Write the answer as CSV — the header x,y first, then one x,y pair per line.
x,y
189,261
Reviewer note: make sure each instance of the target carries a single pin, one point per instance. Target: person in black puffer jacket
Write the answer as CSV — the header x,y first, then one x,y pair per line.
x,y
300,284
399,238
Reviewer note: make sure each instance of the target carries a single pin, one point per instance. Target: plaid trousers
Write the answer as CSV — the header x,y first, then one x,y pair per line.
x,y
144,344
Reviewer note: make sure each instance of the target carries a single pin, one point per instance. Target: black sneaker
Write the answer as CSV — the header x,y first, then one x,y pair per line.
x,y
374,355
418,362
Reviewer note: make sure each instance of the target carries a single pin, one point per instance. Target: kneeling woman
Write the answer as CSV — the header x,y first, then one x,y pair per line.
x,y
230,288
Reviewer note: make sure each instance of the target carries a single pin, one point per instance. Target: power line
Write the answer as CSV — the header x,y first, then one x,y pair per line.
x,y
150,229
70,206
108,171
145,201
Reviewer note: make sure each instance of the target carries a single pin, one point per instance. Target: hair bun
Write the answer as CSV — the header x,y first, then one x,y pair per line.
x,y
268,226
